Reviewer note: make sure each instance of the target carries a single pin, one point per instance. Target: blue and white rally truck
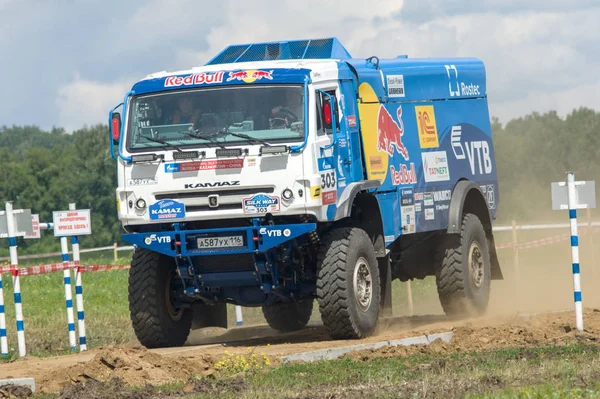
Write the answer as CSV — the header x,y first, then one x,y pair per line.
x,y
284,172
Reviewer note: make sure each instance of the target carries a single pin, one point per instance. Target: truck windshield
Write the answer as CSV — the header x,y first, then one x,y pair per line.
x,y
217,117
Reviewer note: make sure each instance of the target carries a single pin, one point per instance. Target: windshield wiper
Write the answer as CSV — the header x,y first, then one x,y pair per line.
x,y
199,135
163,142
245,136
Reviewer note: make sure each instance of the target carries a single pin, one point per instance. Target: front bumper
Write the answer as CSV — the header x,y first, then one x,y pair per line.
x,y
226,241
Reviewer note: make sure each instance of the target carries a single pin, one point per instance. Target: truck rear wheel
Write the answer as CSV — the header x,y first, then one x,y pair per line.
x,y
288,316
156,321
348,287
463,278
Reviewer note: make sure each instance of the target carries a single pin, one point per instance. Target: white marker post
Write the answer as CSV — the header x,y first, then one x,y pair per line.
x,y
578,195
78,291
71,223
575,250
14,264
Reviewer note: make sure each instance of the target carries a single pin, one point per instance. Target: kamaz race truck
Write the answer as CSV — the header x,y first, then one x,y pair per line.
x,y
284,172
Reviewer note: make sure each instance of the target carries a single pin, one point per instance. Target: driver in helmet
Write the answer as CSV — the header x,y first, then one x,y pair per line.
x,y
293,102
185,113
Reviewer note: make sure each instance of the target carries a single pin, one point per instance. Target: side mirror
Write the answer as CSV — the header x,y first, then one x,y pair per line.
x,y
330,113
115,127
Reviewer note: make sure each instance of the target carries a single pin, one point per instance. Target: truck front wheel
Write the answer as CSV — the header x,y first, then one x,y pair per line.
x,y
348,287
288,316
157,322
463,278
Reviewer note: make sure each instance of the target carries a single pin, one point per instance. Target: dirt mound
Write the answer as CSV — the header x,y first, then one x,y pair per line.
x,y
480,335
116,388
135,367
15,391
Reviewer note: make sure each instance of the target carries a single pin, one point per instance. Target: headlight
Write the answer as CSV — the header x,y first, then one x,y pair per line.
x,y
140,203
287,194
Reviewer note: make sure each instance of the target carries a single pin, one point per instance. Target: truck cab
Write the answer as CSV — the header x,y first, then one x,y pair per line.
x,y
283,173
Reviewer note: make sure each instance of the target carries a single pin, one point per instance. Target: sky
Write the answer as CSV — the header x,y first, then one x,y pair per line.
x,y
66,63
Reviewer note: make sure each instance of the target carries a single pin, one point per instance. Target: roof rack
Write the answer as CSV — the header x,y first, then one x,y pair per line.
x,y
326,48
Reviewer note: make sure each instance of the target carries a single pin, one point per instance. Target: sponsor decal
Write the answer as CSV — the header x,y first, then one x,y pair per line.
x,y
429,214
375,162
426,126
328,181
477,152
274,233
251,161
351,120
141,181
403,175
389,238
417,207
406,197
315,191
194,79
442,207
428,199
250,76
159,239
395,85
442,196
213,184
435,166
204,165
490,195
389,133
261,203
408,219
167,209
418,196
458,88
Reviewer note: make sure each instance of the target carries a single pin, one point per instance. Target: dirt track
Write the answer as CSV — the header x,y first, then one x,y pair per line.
x,y
541,291
137,366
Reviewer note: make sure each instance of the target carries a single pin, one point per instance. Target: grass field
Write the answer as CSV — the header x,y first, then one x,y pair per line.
x,y
107,313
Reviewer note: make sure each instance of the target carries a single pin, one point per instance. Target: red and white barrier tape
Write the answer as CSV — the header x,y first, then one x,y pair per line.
x,y
58,267
543,241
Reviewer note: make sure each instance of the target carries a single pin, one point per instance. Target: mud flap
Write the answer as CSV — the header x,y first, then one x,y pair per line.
x,y
209,315
385,276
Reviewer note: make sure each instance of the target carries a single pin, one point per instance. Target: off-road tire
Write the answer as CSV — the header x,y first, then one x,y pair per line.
x,y
340,311
288,316
154,325
459,295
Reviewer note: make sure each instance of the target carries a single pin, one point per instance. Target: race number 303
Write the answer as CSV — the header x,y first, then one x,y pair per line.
x,y
328,187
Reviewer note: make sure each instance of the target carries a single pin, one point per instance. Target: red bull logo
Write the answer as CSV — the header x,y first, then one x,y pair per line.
x,y
389,133
403,175
194,79
250,76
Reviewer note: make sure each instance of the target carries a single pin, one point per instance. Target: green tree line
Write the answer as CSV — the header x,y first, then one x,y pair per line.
x,y
47,170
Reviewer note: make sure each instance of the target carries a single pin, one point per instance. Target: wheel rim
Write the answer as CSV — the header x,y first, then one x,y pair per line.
x,y
174,312
363,292
476,269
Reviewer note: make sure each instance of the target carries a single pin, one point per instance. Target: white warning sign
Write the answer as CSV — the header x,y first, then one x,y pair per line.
x,y
35,223
72,223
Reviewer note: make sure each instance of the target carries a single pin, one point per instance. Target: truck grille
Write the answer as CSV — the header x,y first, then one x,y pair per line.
x,y
242,192
228,198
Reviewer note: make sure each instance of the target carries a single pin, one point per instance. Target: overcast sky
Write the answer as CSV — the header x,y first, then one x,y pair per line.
x,y
65,63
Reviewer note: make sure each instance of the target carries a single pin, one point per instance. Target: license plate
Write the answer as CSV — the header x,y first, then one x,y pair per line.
x,y
220,242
